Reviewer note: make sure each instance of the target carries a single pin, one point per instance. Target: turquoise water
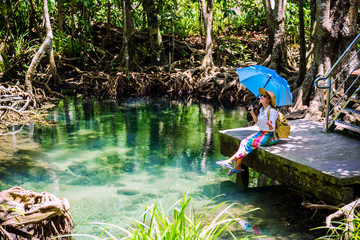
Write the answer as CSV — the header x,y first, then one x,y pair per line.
x,y
111,160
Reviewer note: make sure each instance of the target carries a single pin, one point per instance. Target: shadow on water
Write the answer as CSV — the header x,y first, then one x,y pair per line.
x,y
113,159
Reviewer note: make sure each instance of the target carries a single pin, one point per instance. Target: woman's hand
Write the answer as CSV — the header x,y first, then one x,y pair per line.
x,y
251,108
269,123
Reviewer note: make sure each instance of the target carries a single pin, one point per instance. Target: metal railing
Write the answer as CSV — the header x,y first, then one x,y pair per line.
x,y
337,78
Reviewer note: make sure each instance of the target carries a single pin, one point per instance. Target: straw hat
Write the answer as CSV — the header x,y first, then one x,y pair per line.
x,y
271,94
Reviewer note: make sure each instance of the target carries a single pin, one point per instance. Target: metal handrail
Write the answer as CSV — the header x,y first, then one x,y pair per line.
x,y
330,82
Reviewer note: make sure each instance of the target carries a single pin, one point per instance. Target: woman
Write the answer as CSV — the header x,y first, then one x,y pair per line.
x,y
265,137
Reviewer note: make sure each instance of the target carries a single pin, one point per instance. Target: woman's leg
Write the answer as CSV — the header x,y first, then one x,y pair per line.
x,y
241,150
246,147
256,140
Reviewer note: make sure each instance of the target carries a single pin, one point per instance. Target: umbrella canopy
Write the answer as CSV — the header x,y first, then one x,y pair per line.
x,y
255,77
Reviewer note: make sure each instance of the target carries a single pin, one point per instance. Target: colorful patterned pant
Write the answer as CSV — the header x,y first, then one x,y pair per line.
x,y
254,141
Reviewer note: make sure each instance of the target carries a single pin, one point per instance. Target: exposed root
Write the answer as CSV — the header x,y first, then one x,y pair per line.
x,y
211,83
347,211
30,215
18,107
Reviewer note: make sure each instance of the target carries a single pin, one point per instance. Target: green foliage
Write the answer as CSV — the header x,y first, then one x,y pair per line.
x,y
3,10
184,18
251,15
341,229
3,57
180,18
179,222
64,44
292,21
239,51
22,45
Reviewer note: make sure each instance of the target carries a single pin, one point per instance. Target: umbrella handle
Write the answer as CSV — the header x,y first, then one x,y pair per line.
x,y
254,101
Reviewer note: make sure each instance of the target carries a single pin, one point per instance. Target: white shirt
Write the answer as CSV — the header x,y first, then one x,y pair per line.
x,y
262,118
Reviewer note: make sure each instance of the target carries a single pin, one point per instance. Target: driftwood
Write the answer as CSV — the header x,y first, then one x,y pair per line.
x,y
347,211
26,214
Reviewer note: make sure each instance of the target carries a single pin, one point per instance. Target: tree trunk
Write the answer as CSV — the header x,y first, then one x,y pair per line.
x,y
208,13
72,24
33,21
302,61
60,15
126,45
158,55
336,27
200,23
46,46
108,26
276,55
9,35
127,52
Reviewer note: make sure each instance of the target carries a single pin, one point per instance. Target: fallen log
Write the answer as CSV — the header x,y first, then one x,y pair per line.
x,y
26,214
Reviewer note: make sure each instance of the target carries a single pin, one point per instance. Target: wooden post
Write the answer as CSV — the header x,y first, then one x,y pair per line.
x,y
242,179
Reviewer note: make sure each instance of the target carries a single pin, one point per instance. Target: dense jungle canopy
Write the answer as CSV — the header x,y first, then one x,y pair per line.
x,y
111,49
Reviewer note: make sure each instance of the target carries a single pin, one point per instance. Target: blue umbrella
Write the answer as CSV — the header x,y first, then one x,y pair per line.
x,y
255,77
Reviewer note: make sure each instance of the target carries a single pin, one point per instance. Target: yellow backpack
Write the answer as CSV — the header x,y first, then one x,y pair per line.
x,y
282,127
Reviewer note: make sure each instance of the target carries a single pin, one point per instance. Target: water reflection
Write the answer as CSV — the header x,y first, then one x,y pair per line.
x,y
112,159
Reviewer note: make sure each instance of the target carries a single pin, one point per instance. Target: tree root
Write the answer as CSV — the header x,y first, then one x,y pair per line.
x,y
33,215
348,211
18,107
211,83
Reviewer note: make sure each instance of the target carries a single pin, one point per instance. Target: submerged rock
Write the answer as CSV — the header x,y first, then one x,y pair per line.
x,y
128,192
78,169
81,180
152,195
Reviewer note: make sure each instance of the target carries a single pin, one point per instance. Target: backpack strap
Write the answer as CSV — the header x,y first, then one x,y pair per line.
x,y
268,113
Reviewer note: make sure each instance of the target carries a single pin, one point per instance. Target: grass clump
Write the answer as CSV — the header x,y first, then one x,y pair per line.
x,y
347,228
181,221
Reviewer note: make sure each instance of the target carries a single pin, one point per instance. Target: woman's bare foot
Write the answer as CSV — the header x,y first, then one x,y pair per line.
x,y
224,163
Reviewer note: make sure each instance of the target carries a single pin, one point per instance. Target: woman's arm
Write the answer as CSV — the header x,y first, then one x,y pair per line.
x,y
272,119
251,109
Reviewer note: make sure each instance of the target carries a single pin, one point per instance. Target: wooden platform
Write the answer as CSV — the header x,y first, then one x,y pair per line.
x,y
323,165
